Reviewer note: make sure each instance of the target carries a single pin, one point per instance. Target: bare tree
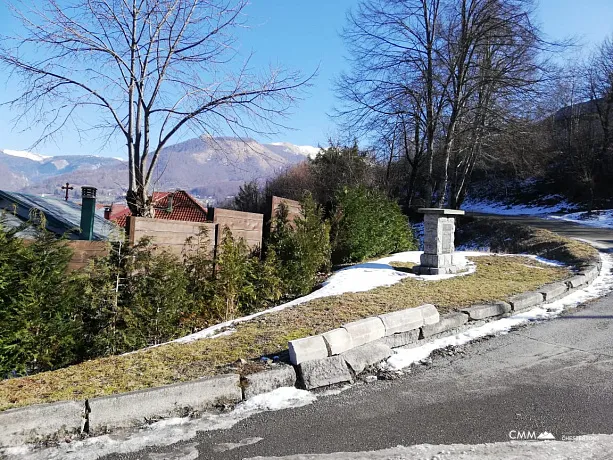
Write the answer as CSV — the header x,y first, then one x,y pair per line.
x,y
145,70
395,47
449,68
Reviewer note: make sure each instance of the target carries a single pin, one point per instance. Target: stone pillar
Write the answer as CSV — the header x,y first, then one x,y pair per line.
x,y
439,234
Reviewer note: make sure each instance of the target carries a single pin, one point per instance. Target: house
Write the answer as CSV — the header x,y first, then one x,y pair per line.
x,y
61,217
178,205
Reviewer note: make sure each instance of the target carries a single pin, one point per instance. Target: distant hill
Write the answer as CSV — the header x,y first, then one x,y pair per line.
x,y
211,168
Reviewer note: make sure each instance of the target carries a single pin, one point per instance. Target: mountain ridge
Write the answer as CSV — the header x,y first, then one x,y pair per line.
x,y
211,168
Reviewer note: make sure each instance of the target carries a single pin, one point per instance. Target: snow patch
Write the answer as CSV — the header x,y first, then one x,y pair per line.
x,y
306,150
603,284
494,207
24,154
600,218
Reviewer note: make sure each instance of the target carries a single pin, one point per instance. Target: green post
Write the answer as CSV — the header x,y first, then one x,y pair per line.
x,y
88,211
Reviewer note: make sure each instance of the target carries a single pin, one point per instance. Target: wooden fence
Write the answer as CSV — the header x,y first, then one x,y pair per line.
x,y
169,234
173,234
246,225
83,251
294,209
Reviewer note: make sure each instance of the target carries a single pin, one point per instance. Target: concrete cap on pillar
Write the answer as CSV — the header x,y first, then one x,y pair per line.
x,y
441,211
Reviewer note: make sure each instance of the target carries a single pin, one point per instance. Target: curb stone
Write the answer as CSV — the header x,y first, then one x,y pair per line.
x,y
577,281
447,322
402,321
477,312
553,291
306,349
324,372
361,357
268,380
365,330
337,341
130,409
44,422
526,300
40,422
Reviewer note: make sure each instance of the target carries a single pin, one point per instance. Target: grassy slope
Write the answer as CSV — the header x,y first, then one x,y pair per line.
x,y
496,278
514,238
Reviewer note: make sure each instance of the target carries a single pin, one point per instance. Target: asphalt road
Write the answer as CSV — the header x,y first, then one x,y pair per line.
x,y
555,376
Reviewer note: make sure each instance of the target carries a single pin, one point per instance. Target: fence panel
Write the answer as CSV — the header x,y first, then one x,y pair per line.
x,y
294,208
83,251
246,225
169,234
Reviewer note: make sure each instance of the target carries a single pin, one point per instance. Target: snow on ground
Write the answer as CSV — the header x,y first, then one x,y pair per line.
x,y
601,218
494,207
602,285
165,432
357,278
580,447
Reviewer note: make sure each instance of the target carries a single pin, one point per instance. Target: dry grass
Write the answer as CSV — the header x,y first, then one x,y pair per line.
x,y
507,237
497,277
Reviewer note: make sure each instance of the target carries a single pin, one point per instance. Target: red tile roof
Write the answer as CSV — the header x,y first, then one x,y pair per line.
x,y
184,207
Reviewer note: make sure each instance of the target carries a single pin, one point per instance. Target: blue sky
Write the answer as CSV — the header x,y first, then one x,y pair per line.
x,y
304,35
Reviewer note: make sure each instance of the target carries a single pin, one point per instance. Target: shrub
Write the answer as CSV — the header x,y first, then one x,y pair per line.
x,y
302,247
156,296
366,223
37,309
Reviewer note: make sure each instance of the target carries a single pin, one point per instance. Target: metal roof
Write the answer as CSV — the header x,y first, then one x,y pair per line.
x,y
62,217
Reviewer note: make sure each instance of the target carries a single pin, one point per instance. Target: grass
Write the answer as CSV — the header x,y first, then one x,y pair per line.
x,y
497,278
502,236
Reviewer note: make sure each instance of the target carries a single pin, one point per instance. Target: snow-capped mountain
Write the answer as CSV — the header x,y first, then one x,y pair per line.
x,y
306,150
24,154
206,166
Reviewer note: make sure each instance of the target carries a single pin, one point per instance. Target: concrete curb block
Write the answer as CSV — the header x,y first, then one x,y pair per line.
x,y
429,313
48,421
365,330
337,341
553,291
577,281
591,273
263,382
477,312
526,300
324,372
40,422
130,409
447,322
402,321
360,358
306,349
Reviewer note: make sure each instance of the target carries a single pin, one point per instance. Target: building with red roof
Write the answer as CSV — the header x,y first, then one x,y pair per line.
x,y
177,205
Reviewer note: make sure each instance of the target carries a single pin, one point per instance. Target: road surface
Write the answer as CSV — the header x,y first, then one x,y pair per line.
x,y
555,376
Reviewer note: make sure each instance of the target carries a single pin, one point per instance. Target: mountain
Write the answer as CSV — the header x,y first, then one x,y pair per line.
x,y
212,168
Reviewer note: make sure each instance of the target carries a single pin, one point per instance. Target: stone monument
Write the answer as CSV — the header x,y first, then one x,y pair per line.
x,y
439,234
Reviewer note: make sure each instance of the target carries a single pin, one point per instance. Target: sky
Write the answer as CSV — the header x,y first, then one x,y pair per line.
x,y
305,36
